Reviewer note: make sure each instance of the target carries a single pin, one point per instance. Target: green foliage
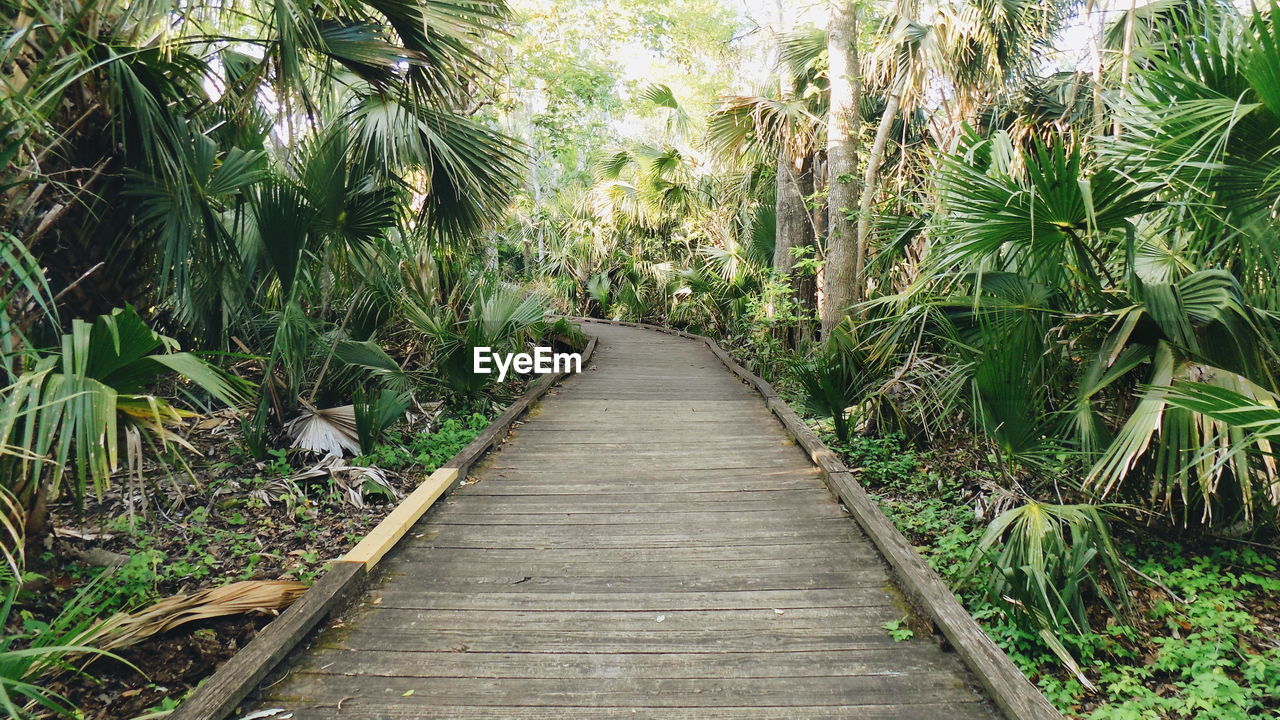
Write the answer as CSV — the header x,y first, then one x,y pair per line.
x,y
885,460
376,413
1197,647
1045,241
1036,216
497,316
1251,424
566,333
72,410
898,631
368,75
425,451
1044,561
833,379
20,273
1203,653
30,659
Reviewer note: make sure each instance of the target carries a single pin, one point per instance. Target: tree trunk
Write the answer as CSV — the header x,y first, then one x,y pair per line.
x,y
791,223
871,177
792,217
818,216
537,209
844,256
803,284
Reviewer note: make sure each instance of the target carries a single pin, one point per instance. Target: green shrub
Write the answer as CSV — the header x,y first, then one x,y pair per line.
x,y
832,379
425,451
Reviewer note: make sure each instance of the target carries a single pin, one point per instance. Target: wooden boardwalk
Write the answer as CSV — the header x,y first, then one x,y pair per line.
x,y
650,543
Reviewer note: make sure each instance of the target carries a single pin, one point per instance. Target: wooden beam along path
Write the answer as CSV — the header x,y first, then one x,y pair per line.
x,y
649,542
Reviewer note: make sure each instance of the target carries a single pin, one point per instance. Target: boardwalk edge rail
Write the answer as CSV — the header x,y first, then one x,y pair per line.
x,y
1007,687
217,697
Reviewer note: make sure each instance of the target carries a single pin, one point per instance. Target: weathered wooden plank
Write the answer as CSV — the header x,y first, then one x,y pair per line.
x,y
374,637
704,477
545,485
393,711
1008,687
657,418
437,563
692,462
415,580
601,503
667,434
394,526
643,446
821,455
755,381
765,620
849,551
595,383
364,694
498,536
900,657
756,518
602,389
730,453
656,486
412,560
750,504
390,596
747,523
674,488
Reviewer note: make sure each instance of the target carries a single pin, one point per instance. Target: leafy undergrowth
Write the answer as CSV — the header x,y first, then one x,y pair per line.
x,y
239,520
1203,639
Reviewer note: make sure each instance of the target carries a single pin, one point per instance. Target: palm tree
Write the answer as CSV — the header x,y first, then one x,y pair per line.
x,y
975,47
753,129
118,91
1049,241
843,283
901,66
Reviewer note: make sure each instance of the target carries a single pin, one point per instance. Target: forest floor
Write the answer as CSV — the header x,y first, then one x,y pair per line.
x,y
1201,638
226,517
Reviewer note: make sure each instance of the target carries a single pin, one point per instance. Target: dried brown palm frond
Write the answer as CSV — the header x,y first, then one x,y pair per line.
x,y
260,596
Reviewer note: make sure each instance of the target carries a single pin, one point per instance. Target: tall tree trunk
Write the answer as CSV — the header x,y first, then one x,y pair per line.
x,y
792,217
842,284
871,176
526,253
537,208
791,223
803,284
818,216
